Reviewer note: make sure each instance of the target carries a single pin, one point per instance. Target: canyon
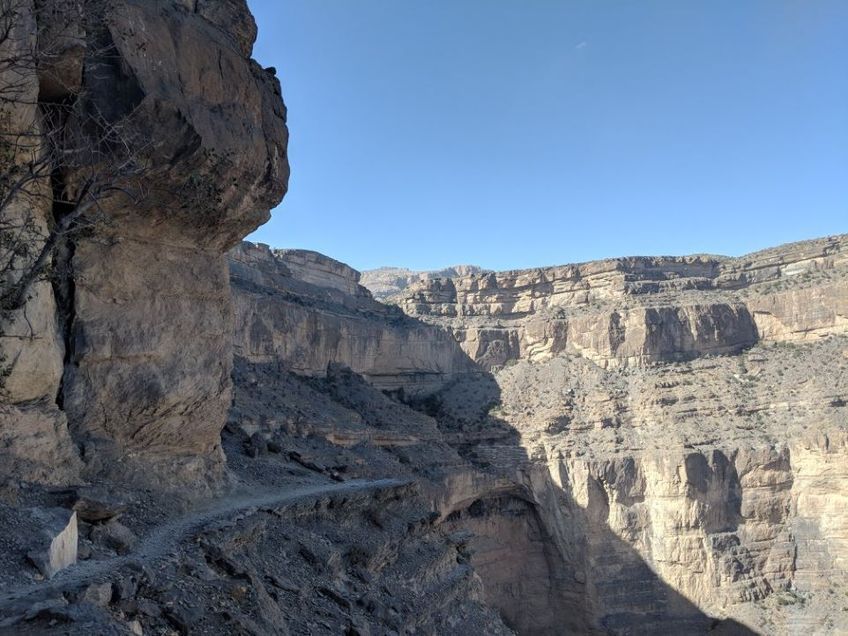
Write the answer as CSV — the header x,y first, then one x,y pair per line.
x,y
206,435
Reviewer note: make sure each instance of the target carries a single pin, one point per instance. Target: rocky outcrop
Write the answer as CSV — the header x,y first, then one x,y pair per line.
x,y
60,539
321,271
35,440
638,311
137,352
136,378
387,284
304,311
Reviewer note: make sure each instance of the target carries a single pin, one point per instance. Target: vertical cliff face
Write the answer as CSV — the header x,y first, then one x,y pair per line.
x,y
144,314
633,312
681,433
304,311
33,431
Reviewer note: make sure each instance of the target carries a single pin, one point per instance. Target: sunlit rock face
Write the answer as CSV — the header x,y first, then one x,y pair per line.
x,y
640,311
681,438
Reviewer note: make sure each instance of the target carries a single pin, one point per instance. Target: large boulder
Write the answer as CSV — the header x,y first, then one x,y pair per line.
x,y
56,547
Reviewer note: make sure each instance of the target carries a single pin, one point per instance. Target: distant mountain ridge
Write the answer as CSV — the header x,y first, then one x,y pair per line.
x,y
385,283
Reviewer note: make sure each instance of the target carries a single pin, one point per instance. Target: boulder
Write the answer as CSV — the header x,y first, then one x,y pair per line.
x,y
114,535
56,549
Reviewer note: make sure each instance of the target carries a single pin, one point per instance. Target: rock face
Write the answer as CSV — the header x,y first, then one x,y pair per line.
x,y
144,316
682,434
221,144
710,475
638,311
321,271
34,432
304,311
387,284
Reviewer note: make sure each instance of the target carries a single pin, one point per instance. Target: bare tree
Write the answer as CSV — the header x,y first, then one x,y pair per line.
x,y
61,158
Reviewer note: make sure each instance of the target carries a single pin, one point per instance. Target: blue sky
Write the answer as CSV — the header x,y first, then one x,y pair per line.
x,y
516,133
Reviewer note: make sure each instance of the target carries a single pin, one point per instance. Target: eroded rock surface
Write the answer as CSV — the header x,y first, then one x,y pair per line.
x,y
682,431
639,311
136,347
304,311
34,431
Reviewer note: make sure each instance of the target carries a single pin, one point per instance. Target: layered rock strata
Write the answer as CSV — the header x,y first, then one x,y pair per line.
x,y
638,311
681,433
136,350
716,480
304,311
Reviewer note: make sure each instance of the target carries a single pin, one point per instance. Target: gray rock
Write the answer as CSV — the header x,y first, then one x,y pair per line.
x,y
114,535
56,548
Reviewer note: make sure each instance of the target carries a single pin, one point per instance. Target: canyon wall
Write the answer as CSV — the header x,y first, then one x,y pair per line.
x,y
305,311
131,349
638,311
681,431
680,470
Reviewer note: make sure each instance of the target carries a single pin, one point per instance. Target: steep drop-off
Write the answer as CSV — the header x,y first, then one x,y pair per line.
x,y
134,353
203,436
688,416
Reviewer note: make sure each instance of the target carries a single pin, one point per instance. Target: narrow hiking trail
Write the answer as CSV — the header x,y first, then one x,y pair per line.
x,y
161,540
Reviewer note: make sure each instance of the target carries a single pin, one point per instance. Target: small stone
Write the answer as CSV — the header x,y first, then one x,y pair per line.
x,y
94,510
114,535
148,608
183,618
84,551
99,594
58,543
256,446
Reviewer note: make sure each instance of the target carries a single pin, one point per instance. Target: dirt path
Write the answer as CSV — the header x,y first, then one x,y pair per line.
x,y
166,537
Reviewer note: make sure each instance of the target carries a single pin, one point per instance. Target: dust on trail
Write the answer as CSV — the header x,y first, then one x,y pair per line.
x,y
165,537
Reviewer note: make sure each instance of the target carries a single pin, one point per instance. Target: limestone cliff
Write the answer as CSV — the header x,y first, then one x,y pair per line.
x,y
638,311
305,311
136,353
